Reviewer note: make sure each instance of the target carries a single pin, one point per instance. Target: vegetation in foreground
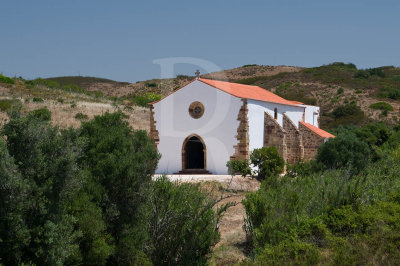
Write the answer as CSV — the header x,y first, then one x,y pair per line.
x,y
85,196
343,208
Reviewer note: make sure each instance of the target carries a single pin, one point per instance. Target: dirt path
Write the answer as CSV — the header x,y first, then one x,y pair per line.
x,y
232,246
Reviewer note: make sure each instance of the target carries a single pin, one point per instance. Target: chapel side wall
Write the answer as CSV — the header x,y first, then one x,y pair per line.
x,y
217,127
256,110
295,149
311,142
312,115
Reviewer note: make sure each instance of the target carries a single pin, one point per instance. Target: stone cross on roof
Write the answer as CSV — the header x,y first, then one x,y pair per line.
x,y
197,73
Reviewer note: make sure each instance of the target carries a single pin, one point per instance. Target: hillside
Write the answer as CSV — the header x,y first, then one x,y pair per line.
x,y
346,95
68,108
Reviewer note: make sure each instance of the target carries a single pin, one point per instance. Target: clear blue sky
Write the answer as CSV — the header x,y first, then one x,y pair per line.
x,y
120,39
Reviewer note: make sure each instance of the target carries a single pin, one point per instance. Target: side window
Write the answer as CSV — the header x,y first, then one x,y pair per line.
x,y
276,113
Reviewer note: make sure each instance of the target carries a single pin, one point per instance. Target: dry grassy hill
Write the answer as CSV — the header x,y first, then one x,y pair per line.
x,y
345,94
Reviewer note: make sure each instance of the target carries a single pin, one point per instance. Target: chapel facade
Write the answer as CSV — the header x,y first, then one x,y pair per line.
x,y
204,124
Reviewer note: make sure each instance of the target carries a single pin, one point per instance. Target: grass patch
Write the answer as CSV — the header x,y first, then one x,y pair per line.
x,y
384,106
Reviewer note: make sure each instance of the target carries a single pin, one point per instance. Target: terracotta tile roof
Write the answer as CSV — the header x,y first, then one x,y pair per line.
x,y
248,92
317,130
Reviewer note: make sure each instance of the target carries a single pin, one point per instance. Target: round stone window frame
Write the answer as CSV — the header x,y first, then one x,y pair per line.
x,y
196,110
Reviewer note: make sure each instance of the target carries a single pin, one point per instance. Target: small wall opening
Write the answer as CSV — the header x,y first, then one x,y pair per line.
x,y
276,113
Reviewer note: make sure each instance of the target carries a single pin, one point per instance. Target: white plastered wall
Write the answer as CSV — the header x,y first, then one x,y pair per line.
x,y
256,119
217,127
312,115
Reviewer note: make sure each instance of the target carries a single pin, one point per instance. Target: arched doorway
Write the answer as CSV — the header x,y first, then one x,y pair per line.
x,y
194,153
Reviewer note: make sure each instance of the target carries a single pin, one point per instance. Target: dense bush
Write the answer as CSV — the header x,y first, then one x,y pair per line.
x,y
85,197
7,80
366,73
267,161
6,104
43,82
73,88
344,151
42,114
151,84
328,218
37,99
81,116
47,161
381,106
390,92
241,167
121,162
146,99
181,224
346,110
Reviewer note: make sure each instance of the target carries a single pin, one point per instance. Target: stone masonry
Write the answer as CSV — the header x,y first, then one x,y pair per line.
x,y
153,130
293,144
274,135
311,142
242,148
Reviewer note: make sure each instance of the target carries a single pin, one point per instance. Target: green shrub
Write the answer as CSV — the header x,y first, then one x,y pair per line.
x,y
381,106
7,80
60,100
5,105
151,84
152,97
47,160
43,114
81,116
241,167
340,90
342,219
390,92
346,110
145,100
344,151
366,73
300,169
181,225
44,82
37,99
121,163
289,252
376,134
268,162
73,88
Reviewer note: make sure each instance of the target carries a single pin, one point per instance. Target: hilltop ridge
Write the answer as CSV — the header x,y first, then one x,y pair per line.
x,y
346,94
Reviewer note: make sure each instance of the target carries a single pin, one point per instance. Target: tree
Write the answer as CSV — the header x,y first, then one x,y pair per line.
x,y
47,160
121,162
268,162
14,233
